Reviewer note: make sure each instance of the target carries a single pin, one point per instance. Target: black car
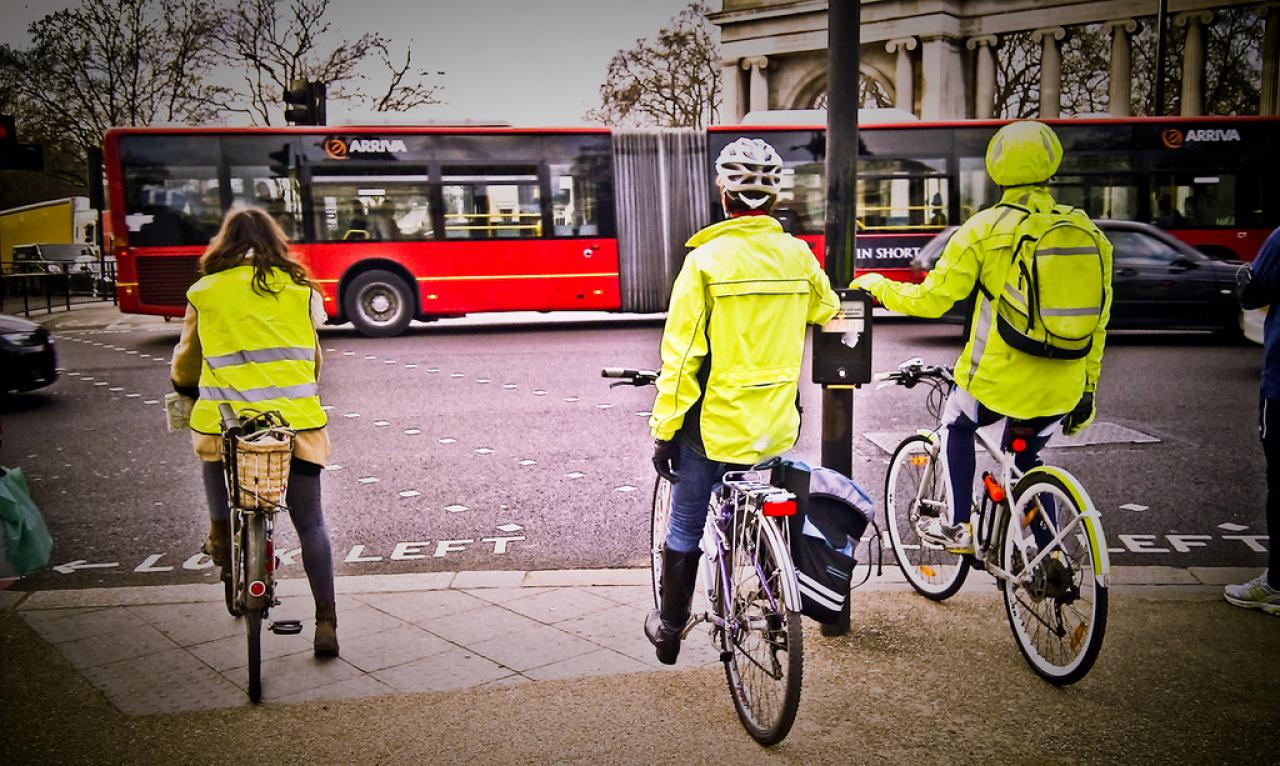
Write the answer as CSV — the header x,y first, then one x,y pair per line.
x,y
1159,281
27,358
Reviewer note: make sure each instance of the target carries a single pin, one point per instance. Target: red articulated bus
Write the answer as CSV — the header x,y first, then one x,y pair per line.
x,y
403,223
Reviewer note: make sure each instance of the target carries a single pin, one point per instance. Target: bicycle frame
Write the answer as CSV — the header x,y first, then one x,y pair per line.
x,y
988,534
732,506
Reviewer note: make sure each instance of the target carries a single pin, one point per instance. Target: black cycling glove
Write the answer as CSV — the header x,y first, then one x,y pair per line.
x,y
666,459
1075,421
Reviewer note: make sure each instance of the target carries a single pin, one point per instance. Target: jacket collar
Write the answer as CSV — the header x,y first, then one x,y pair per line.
x,y
745,224
1035,197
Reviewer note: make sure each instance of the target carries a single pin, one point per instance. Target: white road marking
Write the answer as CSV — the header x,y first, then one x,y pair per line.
x,y
1230,527
410,493
574,475
571,399
456,508
447,440
352,415
509,386
539,392
604,406
482,381
412,431
382,423
484,451
368,480
150,401
1134,507
624,488
526,462
333,467
510,528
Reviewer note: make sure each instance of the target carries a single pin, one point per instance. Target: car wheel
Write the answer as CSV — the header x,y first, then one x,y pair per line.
x,y
379,303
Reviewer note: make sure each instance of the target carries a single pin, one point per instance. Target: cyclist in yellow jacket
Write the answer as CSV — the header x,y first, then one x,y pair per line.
x,y
731,359
249,339
995,380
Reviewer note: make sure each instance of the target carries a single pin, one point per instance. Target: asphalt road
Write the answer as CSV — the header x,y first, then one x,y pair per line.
x,y
492,443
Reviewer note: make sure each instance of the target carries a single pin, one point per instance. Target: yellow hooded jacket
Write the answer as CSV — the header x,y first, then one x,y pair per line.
x,y
734,340
1002,378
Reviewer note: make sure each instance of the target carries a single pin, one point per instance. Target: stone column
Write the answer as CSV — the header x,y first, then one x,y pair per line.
x,y
759,82
731,106
984,80
1120,103
904,81
942,87
1050,70
1270,60
1193,61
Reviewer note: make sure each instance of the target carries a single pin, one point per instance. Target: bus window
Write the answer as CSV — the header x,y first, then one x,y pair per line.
x,y
375,205
176,205
802,201
1199,199
575,203
1110,197
257,186
977,190
900,195
491,203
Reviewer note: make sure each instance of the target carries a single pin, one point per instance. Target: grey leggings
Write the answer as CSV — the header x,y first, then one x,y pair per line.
x,y
303,499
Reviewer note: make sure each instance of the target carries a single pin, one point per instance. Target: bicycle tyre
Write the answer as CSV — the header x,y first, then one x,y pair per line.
x,y
767,721
253,632
932,571
1058,649
659,519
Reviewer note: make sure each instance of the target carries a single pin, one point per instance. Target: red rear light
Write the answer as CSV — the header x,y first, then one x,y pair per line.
x,y
780,508
1019,445
271,556
257,589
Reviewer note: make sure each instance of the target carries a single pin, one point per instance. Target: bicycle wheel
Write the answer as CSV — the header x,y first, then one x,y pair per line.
x,y
1057,608
658,522
766,651
915,490
253,631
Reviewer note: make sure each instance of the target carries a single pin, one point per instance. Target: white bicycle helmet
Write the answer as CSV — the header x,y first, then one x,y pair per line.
x,y
750,165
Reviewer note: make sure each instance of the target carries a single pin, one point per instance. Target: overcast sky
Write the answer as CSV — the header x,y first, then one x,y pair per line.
x,y
529,62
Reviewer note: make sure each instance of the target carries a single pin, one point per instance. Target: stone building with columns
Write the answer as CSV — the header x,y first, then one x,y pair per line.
x,y
938,58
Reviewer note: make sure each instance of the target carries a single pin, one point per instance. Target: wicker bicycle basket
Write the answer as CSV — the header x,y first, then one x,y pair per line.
x,y
262,465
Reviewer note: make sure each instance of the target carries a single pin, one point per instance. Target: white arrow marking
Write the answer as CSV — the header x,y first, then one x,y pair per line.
x,y
72,566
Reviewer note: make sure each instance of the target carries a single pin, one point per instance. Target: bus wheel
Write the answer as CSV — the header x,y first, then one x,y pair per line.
x,y
378,303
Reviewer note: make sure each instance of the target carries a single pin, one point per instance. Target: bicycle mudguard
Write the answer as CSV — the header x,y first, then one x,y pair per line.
x,y
1089,516
790,585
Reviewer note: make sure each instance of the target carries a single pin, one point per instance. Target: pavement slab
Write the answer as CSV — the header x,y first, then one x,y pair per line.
x,y
533,647
295,673
474,626
171,681
397,646
454,669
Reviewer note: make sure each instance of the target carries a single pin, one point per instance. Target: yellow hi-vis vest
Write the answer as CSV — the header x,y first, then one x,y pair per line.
x,y
259,349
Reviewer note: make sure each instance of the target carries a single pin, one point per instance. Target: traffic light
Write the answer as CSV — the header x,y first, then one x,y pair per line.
x,y
16,156
280,162
304,103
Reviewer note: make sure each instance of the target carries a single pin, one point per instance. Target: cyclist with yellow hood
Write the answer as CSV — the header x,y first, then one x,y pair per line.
x,y
731,358
996,377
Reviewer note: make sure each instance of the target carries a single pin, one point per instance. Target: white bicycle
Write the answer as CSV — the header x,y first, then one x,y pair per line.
x,y
1037,533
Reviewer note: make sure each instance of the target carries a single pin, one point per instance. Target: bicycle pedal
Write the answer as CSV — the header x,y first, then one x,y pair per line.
x,y
286,627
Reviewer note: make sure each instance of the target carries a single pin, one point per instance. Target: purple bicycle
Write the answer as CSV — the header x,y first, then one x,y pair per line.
x,y
749,581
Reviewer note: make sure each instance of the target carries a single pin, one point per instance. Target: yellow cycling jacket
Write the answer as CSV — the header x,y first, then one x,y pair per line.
x,y
259,351
1004,379
734,340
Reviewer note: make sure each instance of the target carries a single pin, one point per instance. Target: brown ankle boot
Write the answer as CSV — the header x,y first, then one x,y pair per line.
x,y
218,545
326,640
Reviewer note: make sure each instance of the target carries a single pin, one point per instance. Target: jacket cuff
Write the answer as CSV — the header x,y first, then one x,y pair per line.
x,y
191,392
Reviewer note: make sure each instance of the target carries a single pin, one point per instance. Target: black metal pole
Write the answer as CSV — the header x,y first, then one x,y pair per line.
x,y
841,254
1157,108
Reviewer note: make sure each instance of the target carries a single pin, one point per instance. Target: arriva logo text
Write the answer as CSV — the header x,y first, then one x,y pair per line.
x,y
1174,138
338,148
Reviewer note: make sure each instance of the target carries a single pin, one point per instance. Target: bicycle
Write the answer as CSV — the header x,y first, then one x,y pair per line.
x,y
256,479
1037,533
749,583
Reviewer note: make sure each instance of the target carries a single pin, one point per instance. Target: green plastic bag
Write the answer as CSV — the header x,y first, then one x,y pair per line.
x,y
24,540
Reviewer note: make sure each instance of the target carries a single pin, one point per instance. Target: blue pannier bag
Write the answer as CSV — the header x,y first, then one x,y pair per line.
x,y
832,513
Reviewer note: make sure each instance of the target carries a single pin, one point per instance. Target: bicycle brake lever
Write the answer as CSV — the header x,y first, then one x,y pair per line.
x,y
621,383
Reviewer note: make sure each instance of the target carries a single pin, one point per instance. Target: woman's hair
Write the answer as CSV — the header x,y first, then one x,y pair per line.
x,y
253,232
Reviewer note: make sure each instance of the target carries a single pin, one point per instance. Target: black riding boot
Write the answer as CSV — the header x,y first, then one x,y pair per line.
x,y
664,626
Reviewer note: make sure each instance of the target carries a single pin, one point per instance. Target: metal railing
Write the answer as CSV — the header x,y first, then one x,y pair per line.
x,y
25,288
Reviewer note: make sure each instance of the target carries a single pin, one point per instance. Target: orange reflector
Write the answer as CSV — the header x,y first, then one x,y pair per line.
x,y
1077,636
1029,517
919,460
927,571
1019,445
781,508
994,490
257,589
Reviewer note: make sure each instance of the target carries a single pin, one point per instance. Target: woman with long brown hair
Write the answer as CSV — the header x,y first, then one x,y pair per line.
x,y
249,340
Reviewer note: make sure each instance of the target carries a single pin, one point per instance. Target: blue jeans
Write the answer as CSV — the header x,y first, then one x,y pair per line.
x,y
697,476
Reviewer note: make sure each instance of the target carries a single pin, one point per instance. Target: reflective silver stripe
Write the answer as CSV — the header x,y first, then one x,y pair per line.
x,y
280,354
1068,251
980,330
1003,214
299,391
819,593
1017,296
1084,312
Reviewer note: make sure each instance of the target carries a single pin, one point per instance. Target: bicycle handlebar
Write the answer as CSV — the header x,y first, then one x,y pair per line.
x,y
229,418
629,377
913,371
